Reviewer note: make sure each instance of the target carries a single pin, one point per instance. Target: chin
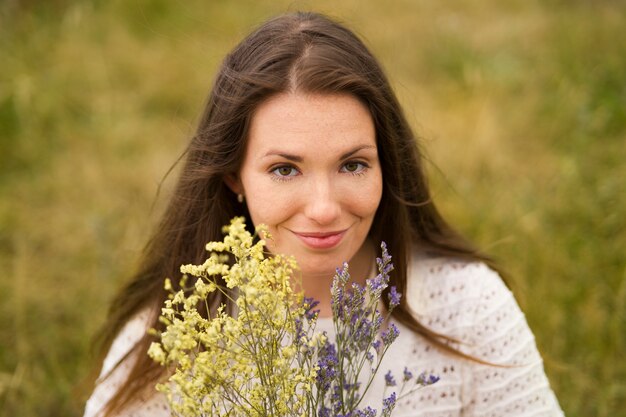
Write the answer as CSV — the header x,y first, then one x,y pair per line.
x,y
330,265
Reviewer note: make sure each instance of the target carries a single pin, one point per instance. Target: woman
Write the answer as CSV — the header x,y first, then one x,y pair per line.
x,y
303,133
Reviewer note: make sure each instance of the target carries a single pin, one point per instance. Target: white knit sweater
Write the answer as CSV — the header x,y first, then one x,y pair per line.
x,y
466,301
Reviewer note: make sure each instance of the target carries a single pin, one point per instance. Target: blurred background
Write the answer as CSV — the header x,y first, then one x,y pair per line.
x,y
520,107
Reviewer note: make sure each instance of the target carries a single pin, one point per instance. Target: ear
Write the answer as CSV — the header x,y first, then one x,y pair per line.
x,y
232,182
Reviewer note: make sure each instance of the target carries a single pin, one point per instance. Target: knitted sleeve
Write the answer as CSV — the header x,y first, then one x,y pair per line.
x,y
470,303
113,375
500,335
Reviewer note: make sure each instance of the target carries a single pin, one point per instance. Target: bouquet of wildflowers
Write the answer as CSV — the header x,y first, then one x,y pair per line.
x,y
266,359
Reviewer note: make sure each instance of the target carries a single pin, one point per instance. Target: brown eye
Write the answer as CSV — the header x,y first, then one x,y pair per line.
x,y
285,171
353,167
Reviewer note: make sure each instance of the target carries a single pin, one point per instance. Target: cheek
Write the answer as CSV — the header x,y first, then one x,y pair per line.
x,y
271,210
366,198
373,198
260,211
268,205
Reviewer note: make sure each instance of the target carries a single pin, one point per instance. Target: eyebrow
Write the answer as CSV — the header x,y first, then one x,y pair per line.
x,y
296,158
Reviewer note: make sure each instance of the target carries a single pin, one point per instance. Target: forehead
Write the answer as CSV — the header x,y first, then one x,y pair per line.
x,y
311,121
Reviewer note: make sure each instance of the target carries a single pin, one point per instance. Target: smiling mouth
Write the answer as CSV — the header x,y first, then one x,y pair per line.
x,y
326,240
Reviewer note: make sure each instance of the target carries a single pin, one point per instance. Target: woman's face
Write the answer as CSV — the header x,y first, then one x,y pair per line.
x,y
311,174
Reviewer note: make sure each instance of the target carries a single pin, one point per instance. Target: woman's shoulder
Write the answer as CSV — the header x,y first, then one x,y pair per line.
x,y
129,335
465,299
116,366
437,281
469,302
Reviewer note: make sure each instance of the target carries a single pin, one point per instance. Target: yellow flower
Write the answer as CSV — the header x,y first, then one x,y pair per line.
x,y
236,365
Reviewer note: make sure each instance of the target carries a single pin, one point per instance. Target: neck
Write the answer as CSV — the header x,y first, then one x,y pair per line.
x,y
317,286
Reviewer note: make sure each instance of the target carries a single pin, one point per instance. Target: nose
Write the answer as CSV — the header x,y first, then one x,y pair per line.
x,y
322,202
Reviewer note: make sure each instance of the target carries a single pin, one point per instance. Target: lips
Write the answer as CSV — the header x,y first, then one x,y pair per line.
x,y
321,240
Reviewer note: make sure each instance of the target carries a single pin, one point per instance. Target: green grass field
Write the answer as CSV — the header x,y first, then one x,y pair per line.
x,y
520,106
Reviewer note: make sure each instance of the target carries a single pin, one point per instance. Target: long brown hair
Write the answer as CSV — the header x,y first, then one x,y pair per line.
x,y
304,52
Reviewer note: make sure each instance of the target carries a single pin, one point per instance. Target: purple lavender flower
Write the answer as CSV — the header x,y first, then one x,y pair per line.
x,y
309,304
366,412
389,379
388,404
425,379
394,298
351,387
323,412
338,300
390,334
327,362
358,326
361,331
407,375
384,265
377,284
337,400
300,333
